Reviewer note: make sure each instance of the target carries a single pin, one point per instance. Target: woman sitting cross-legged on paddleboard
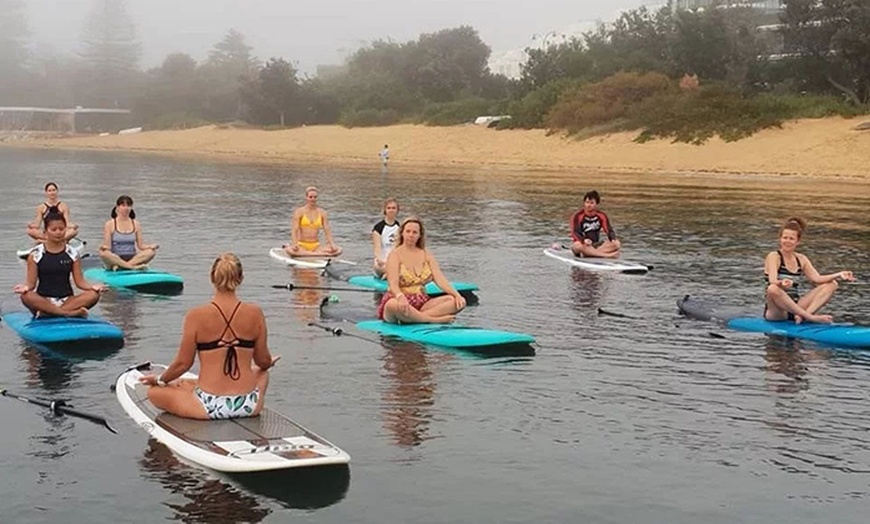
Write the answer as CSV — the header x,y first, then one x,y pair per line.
x,y
52,204
47,291
587,224
230,338
384,236
122,239
305,228
410,267
782,269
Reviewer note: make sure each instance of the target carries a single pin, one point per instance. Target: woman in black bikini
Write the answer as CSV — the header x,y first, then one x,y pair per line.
x,y
782,269
229,336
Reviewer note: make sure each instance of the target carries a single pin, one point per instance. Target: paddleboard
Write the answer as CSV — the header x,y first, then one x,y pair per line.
x,y
267,442
447,335
380,285
840,334
143,280
77,245
58,330
307,262
596,264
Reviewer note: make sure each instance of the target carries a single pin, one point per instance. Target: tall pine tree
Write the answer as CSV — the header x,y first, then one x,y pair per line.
x,y
110,54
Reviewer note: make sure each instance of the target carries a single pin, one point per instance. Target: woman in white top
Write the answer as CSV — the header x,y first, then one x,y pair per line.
x,y
384,236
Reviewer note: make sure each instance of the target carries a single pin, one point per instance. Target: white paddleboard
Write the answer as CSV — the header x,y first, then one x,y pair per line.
x,y
267,442
595,264
77,245
309,262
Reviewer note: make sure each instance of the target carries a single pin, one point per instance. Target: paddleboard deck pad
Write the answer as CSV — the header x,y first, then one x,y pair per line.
x,y
596,264
267,442
307,262
142,280
77,245
63,330
839,335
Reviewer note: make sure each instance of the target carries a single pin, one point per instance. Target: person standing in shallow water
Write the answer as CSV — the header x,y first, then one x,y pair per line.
x,y
783,270
384,155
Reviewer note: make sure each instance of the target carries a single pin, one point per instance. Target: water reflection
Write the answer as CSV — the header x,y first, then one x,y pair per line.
x,y
120,308
587,289
307,301
237,498
409,395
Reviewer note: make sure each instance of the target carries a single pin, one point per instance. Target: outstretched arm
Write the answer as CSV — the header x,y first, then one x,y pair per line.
x,y
813,275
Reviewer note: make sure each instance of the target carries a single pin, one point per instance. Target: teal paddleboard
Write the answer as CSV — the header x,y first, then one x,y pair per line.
x,y
446,335
143,280
377,284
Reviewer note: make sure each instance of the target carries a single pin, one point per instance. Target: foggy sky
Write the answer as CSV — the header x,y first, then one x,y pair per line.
x,y
316,31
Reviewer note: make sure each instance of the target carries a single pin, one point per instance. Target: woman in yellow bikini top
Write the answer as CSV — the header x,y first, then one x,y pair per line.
x,y
406,301
305,231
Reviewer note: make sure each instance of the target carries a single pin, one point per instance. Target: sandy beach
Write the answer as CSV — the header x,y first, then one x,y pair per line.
x,y
828,147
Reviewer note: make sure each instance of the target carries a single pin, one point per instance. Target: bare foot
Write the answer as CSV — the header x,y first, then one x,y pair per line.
x,y
444,319
798,319
80,312
821,319
141,267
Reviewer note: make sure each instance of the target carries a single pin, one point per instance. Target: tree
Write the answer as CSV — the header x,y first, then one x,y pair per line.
x,y
448,63
827,42
171,94
110,54
13,50
272,96
229,67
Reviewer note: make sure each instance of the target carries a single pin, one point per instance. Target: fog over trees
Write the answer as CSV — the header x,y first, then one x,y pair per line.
x,y
763,63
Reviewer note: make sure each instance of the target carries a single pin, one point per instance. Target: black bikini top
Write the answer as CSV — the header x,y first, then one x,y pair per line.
x,y
231,362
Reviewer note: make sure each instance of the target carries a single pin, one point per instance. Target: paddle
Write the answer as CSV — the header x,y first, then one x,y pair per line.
x,y
60,407
291,287
337,332
138,367
604,312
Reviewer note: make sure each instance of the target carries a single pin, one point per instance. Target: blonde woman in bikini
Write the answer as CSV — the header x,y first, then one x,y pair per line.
x,y
410,266
305,228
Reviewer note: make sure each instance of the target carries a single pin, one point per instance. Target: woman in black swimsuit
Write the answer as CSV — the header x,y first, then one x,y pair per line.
x,y
783,269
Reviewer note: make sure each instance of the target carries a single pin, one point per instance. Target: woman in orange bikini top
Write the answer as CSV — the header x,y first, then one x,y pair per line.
x,y
410,266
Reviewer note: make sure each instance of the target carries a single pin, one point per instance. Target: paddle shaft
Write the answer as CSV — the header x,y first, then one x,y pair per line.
x,y
292,287
59,407
337,331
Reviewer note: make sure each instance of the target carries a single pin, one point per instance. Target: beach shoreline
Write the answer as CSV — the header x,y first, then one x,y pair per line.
x,y
826,148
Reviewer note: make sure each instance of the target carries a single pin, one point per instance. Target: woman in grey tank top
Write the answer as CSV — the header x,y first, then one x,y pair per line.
x,y
122,239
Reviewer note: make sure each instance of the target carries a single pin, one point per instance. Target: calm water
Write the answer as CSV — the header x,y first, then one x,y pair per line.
x,y
646,419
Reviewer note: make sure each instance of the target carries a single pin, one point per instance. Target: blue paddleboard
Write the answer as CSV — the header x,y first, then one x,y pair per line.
x,y
841,335
56,330
144,280
377,284
446,335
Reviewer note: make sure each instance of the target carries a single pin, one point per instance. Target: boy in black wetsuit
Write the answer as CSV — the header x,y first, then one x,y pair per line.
x,y
587,226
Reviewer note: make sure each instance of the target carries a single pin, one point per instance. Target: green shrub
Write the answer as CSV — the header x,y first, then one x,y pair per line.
x,y
369,117
603,102
457,112
696,116
529,112
816,106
